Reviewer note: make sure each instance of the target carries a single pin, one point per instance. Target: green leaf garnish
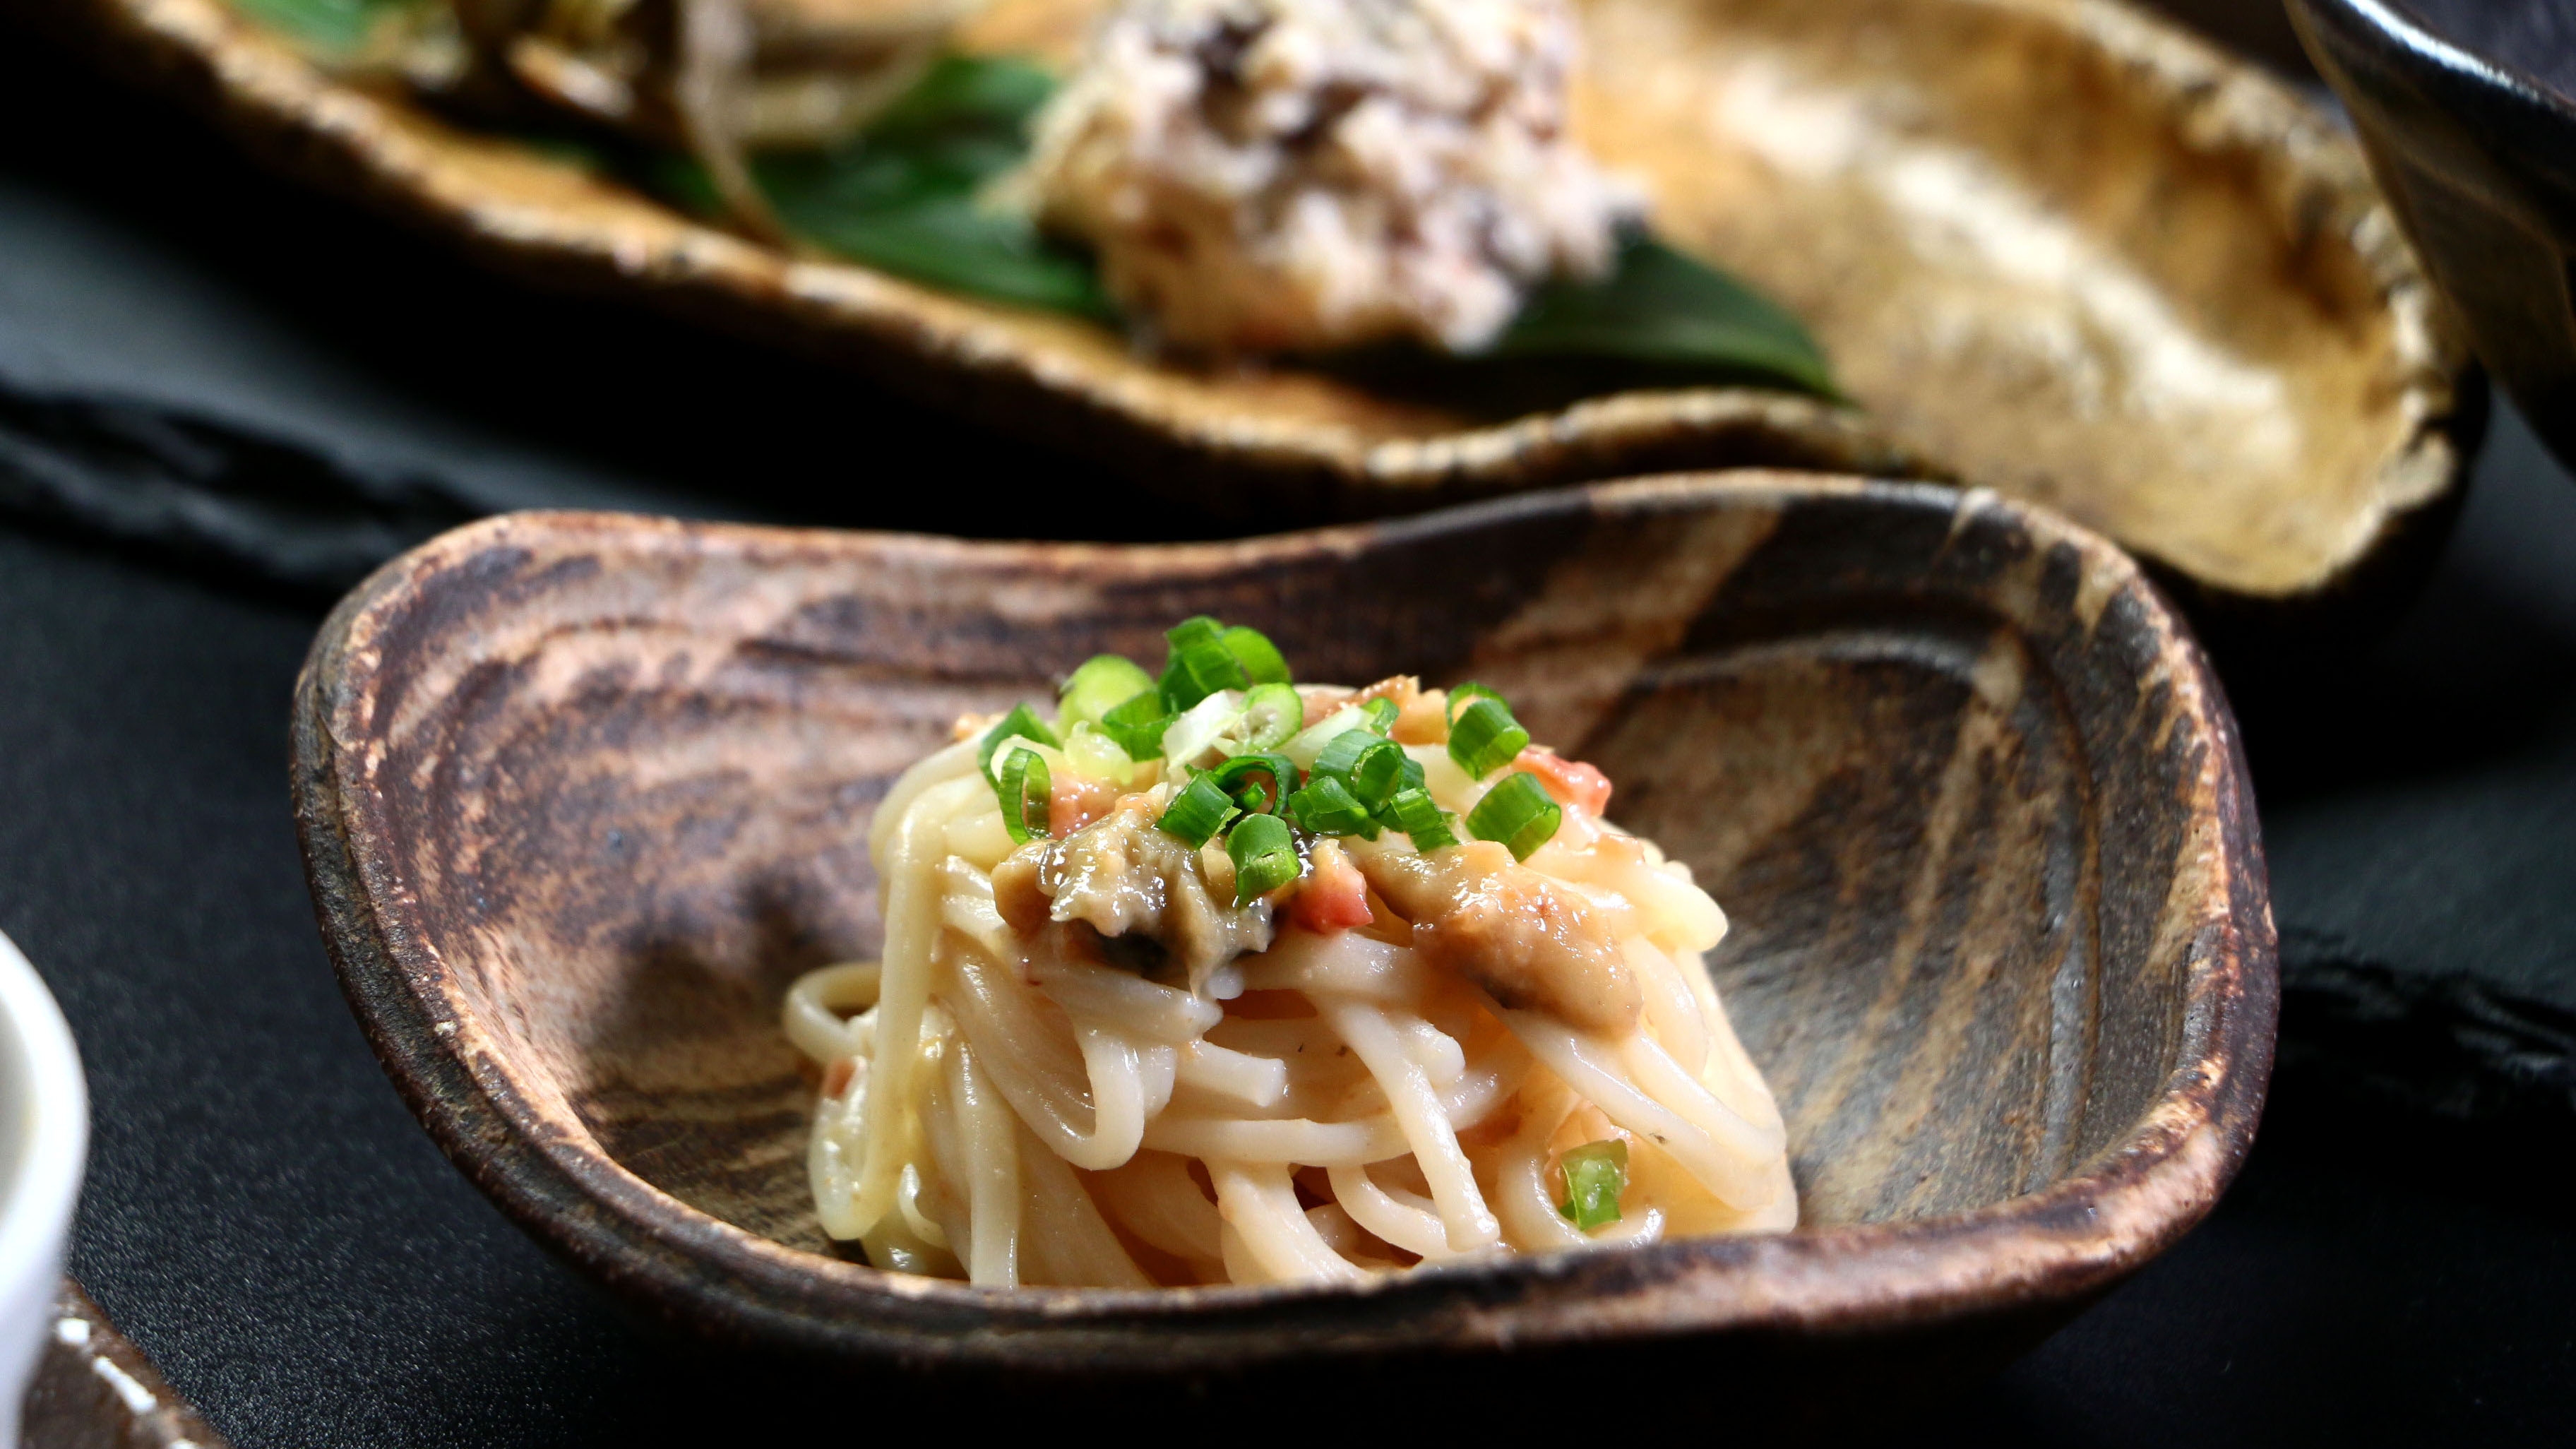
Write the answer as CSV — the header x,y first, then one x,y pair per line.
x,y
1663,308
907,195
329,27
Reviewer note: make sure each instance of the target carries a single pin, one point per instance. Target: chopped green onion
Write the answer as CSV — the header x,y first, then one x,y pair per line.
x,y
1379,714
1413,812
1460,694
1022,722
1311,740
1196,629
1379,773
1596,1173
1272,715
1262,663
1197,671
1026,792
1104,682
1484,737
1264,855
1371,765
1230,777
1199,665
1327,807
1138,724
1519,813
1344,750
1198,812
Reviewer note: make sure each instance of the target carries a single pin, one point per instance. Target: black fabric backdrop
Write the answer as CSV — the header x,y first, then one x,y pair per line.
x,y
220,399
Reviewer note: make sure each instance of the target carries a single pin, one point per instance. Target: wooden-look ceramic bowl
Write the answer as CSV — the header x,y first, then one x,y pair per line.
x,y
2056,247
2468,108
581,794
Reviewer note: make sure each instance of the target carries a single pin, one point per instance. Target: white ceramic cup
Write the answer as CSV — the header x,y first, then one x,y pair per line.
x,y
44,1139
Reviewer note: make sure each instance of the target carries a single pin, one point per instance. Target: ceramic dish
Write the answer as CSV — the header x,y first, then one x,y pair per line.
x,y
2468,108
2057,247
44,1144
581,794
93,1389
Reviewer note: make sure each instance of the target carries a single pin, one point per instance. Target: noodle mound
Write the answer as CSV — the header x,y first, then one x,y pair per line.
x,y
1100,1053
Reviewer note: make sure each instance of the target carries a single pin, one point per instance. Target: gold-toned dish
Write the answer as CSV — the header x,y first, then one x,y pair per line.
x,y
2055,247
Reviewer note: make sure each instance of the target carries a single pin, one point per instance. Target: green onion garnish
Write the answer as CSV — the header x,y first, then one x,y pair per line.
x,y
1196,629
1198,812
1379,773
1459,694
1343,751
1272,713
1519,813
1104,682
1484,737
1413,812
1200,664
1261,660
1595,1174
1197,672
1264,855
1026,791
1371,765
1380,714
1233,777
1138,724
1022,722
1327,807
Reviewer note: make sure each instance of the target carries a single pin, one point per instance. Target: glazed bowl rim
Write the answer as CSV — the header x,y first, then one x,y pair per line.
x,y
2108,1215
2415,36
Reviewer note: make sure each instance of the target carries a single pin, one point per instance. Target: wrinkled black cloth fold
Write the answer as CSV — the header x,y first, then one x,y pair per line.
x,y
2451,1045
210,493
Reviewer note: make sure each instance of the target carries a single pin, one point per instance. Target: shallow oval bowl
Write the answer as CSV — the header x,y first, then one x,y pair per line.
x,y
581,794
2056,247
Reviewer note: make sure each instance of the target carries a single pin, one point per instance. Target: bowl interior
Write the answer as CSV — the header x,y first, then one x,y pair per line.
x,y
1949,779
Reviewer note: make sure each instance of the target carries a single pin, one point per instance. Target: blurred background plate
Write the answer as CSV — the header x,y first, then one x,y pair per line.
x,y
2468,108
2057,247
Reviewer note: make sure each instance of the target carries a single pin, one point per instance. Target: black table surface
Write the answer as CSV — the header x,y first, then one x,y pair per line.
x,y
2397,1263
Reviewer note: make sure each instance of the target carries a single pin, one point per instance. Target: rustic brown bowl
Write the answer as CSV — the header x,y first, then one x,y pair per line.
x,y
580,794
2055,247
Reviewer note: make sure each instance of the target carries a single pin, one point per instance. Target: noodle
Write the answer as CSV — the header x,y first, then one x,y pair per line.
x,y
1090,1098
